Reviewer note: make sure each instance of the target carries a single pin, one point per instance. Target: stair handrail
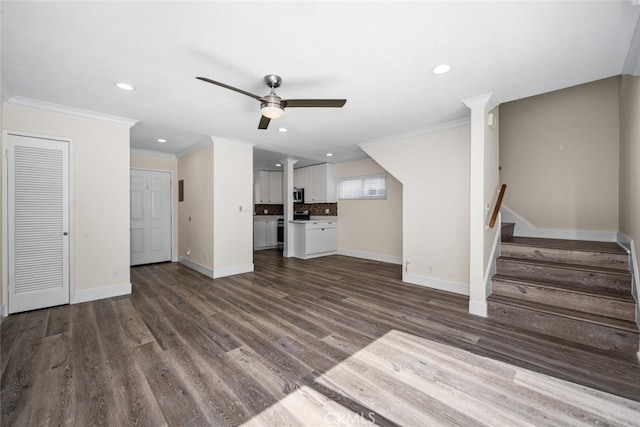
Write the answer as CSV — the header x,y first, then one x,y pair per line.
x,y
496,210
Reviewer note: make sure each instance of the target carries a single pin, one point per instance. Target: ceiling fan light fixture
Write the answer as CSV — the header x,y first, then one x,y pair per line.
x,y
272,111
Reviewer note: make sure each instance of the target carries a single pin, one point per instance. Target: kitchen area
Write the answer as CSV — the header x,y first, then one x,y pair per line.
x,y
314,226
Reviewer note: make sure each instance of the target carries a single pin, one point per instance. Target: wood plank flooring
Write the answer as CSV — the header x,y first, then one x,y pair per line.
x,y
327,341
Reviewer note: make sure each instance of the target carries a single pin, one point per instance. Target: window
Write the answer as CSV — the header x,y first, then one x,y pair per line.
x,y
363,187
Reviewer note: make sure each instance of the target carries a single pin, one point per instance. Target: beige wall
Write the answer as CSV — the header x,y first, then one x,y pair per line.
x,y
370,228
99,191
559,154
165,164
630,157
434,171
232,208
195,213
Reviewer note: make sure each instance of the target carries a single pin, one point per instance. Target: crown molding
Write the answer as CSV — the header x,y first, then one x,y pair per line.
x,y
228,141
70,111
417,132
194,147
152,153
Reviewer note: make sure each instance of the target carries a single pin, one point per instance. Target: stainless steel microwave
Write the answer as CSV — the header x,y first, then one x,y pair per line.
x,y
298,195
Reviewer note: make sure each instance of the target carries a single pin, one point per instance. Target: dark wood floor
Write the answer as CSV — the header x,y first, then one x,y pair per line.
x,y
319,342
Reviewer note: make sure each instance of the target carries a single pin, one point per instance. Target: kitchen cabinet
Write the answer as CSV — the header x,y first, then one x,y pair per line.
x,y
315,238
318,181
268,188
265,233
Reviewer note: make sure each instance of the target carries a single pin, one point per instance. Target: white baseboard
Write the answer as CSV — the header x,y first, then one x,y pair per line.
x,y
371,256
524,228
442,285
100,293
216,272
197,267
233,270
478,308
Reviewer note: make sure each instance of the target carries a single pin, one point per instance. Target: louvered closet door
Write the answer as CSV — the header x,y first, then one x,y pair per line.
x,y
38,221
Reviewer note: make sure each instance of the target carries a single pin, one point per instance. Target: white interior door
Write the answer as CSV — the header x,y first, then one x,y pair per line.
x,y
150,216
38,222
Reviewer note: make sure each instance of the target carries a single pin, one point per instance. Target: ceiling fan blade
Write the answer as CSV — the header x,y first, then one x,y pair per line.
x,y
264,122
235,89
291,103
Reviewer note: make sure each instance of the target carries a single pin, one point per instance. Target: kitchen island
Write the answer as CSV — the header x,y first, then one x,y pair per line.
x,y
314,237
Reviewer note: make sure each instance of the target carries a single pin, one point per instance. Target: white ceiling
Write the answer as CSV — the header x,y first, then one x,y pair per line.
x,y
377,55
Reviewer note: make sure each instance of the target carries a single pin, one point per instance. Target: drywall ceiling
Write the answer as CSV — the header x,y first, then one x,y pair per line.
x,y
377,55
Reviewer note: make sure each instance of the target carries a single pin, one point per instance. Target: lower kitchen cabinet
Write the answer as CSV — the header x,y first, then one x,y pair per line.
x,y
315,238
265,233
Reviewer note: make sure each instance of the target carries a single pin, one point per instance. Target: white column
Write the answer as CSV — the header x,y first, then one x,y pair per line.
x,y
480,107
287,200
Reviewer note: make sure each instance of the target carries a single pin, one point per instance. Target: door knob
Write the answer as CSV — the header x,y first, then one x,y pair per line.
x,y
65,234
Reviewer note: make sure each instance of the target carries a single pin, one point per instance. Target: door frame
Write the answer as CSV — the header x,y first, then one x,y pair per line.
x,y
174,257
4,309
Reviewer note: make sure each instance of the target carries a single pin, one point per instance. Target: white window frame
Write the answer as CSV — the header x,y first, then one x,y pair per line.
x,y
362,179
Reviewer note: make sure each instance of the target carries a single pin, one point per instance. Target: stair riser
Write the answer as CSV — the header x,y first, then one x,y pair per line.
x,y
620,284
560,298
507,231
594,335
598,259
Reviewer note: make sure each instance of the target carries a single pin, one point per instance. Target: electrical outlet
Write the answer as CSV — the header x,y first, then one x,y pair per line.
x,y
188,252
326,211
266,211
430,269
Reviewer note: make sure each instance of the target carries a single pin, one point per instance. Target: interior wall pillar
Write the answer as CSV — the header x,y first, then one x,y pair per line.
x,y
481,176
287,200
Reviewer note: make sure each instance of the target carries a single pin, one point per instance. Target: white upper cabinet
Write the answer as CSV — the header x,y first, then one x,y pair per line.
x,y
268,188
318,181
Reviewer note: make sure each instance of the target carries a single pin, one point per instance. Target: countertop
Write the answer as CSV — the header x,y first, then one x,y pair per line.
x,y
259,217
316,219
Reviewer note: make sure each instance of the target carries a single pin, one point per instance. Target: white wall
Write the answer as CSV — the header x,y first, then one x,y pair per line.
x,y
232,207
434,171
99,194
164,163
559,154
370,229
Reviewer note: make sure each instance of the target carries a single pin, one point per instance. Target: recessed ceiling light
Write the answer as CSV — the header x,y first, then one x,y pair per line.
x,y
162,140
283,130
279,164
441,69
329,154
124,86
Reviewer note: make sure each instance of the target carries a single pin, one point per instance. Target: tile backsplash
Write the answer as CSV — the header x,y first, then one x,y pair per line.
x,y
315,209
271,209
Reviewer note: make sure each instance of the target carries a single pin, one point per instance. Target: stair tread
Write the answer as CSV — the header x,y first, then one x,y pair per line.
x,y
597,292
625,325
543,263
573,245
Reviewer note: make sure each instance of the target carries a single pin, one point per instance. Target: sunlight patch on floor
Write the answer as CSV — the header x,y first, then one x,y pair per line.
x,y
410,381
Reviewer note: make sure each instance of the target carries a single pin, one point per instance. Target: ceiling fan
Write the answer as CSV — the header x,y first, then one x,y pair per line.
x,y
272,106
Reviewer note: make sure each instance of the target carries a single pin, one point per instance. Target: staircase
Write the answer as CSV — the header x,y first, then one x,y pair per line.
x,y
574,290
